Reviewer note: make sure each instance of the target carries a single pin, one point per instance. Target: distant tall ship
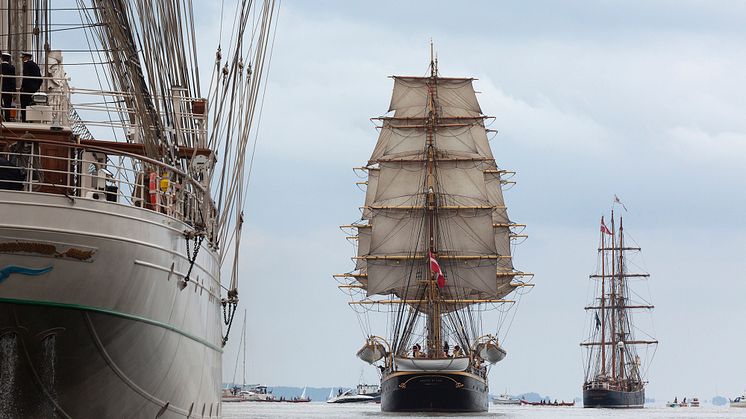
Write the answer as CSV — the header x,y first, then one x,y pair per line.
x,y
614,377
433,249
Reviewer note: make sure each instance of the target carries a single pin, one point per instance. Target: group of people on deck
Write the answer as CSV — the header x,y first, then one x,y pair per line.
x,y
30,84
418,353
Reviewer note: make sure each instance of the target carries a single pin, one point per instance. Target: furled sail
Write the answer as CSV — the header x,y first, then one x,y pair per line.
x,y
472,225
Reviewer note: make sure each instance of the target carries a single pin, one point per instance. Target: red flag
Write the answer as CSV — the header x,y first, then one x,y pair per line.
x,y
604,229
435,268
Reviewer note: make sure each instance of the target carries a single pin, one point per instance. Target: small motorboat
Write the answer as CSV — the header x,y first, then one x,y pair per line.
x,y
739,401
504,399
364,393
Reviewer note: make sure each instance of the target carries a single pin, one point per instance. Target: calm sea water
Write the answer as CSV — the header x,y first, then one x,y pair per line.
x,y
323,410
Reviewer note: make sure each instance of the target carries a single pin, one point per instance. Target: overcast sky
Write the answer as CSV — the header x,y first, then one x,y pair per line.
x,y
591,98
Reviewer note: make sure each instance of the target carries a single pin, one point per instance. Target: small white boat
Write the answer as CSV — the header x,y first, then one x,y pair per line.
x,y
363,394
257,394
739,401
505,399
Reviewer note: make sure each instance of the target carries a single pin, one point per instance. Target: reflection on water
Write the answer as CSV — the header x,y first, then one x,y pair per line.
x,y
8,367
47,371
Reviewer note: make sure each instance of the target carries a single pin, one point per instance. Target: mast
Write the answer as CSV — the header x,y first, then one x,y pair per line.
x,y
243,340
622,308
433,303
613,299
603,300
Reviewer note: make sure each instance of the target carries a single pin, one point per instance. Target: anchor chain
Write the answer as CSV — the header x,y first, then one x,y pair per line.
x,y
230,303
192,258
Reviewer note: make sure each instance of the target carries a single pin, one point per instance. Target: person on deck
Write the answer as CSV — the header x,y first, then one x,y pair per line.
x,y
457,351
8,87
446,348
31,81
11,176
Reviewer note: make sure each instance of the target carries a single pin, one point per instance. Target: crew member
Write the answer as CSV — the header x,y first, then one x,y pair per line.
x,y
31,81
457,351
8,87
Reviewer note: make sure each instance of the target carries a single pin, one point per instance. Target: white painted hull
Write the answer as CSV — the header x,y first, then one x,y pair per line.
x,y
127,341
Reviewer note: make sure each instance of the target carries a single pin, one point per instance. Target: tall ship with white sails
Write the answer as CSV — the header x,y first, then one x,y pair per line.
x,y
433,250
117,214
614,370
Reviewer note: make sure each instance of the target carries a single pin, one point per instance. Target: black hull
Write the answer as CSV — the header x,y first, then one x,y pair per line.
x,y
434,392
602,398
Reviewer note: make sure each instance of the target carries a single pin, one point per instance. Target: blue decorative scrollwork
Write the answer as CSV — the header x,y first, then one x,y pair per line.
x,y
12,269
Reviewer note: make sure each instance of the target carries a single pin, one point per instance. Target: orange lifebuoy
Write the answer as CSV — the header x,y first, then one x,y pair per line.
x,y
153,186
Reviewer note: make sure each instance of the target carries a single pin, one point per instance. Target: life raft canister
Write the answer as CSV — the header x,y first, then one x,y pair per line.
x,y
153,186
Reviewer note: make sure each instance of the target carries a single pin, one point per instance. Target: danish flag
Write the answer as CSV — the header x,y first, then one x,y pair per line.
x,y
604,229
435,268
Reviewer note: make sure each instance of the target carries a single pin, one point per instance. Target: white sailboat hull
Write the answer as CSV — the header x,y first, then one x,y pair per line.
x,y
93,320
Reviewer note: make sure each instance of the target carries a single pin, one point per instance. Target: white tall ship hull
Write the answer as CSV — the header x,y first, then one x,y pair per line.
x,y
103,327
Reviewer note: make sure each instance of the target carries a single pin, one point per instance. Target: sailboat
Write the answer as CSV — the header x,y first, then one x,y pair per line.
x,y
118,216
232,393
614,377
433,248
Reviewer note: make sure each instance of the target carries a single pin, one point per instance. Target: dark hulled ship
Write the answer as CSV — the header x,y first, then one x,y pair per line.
x,y
613,375
433,249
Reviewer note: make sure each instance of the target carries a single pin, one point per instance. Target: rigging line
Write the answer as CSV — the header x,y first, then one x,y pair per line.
x,y
261,105
106,100
249,123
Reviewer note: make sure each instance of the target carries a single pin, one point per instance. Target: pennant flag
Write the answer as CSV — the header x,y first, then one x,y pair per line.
x,y
604,229
435,268
618,201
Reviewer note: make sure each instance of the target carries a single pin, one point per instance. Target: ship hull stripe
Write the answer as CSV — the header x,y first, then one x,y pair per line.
x,y
112,313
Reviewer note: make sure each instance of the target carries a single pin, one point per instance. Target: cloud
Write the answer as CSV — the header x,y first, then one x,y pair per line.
x,y
697,145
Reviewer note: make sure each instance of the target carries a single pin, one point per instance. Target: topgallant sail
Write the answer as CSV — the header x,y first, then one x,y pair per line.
x,y
121,193
433,249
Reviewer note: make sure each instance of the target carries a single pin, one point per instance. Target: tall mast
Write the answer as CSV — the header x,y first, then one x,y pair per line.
x,y
613,299
243,339
603,300
434,324
623,303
